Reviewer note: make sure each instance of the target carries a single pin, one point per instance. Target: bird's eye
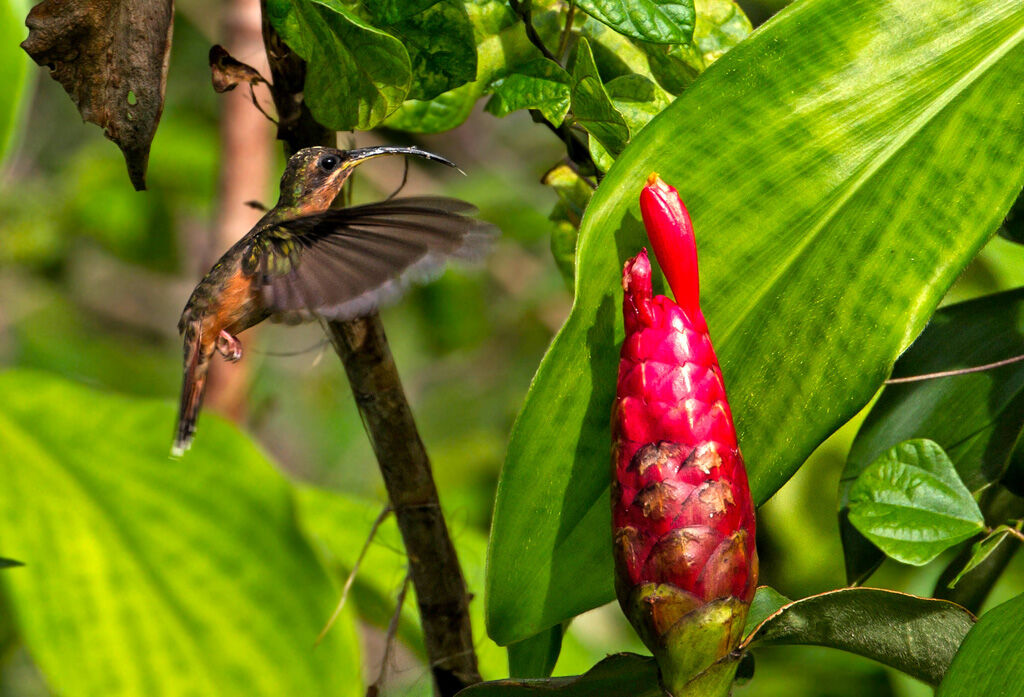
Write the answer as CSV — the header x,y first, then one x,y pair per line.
x,y
329,162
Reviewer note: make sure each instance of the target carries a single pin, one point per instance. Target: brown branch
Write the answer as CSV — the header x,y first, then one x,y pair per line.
x,y
387,417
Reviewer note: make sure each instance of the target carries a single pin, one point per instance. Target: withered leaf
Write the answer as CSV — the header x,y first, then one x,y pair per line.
x,y
228,72
111,58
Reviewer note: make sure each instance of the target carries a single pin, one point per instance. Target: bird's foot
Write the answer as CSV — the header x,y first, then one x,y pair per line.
x,y
229,346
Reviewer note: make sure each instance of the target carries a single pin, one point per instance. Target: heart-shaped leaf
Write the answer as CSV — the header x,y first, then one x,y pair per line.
x,y
809,156
160,577
911,503
916,635
541,84
976,418
441,48
988,662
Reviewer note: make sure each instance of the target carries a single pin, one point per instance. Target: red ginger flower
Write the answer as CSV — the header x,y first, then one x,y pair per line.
x,y
682,511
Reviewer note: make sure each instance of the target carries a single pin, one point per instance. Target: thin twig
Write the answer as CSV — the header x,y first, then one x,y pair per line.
x,y
256,103
352,574
563,43
958,371
523,9
390,638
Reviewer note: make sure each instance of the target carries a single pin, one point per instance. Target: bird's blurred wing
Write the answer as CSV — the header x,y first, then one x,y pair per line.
x,y
347,262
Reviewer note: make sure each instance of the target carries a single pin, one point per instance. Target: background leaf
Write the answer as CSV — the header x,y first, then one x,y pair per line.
x,y
911,503
820,256
356,74
982,550
160,577
988,662
14,66
916,635
975,418
541,84
659,21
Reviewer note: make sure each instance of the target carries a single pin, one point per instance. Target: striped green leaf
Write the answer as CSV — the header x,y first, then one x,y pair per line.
x,y
150,576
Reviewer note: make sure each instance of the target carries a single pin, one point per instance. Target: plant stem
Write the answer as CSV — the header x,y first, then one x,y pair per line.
x,y
363,348
524,10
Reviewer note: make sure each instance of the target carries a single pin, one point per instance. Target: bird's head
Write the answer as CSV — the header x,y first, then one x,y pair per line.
x,y
314,176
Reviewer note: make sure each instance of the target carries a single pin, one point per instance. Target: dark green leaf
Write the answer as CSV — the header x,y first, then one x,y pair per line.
x,y
499,42
391,11
982,550
535,657
820,256
541,84
1013,225
988,663
591,106
976,418
767,601
356,75
187,569
638,99
721,24
912,505
441,48
9,563
619,674
918,636
657,21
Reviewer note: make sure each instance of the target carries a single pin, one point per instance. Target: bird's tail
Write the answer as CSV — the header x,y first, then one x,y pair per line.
x,y
197,363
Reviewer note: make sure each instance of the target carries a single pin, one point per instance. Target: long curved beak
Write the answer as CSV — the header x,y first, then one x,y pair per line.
x,y
355,157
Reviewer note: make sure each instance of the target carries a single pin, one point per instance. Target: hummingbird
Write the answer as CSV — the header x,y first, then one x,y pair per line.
x,y
306,260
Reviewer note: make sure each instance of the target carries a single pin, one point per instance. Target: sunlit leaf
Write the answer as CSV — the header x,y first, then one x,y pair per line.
x,y
591,106
541,84
659,21
13,73
912,505
976,418
822,256
160,577
988,662
918,636
355,74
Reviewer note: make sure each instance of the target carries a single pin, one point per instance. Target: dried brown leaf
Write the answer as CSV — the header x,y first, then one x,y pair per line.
x,y
111,58
228,72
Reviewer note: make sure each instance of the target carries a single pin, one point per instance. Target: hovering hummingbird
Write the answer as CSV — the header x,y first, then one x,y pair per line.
x,y
306,260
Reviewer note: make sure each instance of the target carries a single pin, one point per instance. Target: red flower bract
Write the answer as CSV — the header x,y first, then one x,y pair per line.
x,y
682,512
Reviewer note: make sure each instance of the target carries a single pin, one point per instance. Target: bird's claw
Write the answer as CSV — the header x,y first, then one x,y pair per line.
x,y
229,346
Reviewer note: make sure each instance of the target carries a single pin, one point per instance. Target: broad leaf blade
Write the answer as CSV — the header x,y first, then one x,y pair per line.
x,y
441,48
976,418
619,674
912,505
918,636
160,577
821,254
355,74
767,601
658,21
541,84
988,662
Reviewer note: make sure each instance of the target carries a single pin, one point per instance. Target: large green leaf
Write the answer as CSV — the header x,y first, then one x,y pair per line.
x,y
149,576
14,65
811,156
441,48
356,74
912,505
541,84
976,418
988,663
591,105
916,635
